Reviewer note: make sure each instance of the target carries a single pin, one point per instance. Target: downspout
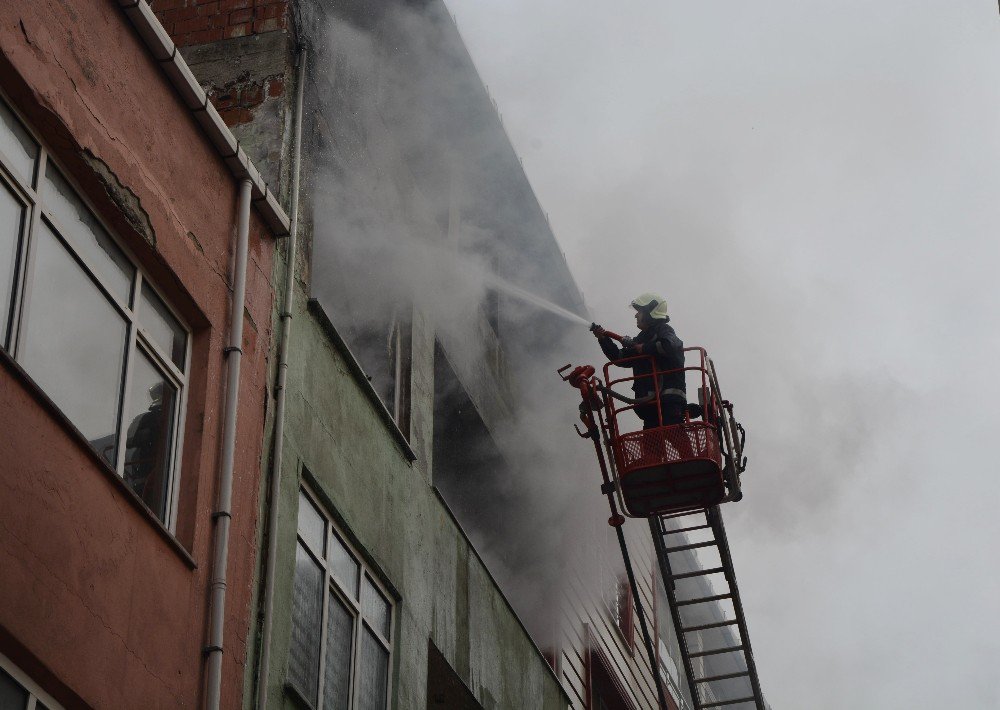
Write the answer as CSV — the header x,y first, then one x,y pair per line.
x,y
287,310
222,515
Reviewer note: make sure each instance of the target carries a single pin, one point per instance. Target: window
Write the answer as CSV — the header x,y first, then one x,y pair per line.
x,y
400,353
18,692
604,687
667,649
445,688
620,606
491,299
341,621
82,320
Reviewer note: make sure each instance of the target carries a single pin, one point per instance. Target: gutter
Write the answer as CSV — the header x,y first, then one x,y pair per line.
x,y
223,512
253,191
165,52
284,335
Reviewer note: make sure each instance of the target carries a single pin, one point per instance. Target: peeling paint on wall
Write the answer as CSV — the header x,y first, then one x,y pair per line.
x,y
126,200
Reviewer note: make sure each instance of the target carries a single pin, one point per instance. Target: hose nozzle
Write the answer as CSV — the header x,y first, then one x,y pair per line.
x,y
601,333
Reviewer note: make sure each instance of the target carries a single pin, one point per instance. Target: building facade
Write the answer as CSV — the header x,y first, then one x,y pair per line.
x,y
119,262
382,510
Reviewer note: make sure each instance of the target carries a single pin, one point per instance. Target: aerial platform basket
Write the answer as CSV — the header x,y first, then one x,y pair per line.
x,y
686,465
680,466
670,467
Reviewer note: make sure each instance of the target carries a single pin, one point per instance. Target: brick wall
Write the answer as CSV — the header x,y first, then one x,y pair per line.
x,y
236,102
231,26
191,22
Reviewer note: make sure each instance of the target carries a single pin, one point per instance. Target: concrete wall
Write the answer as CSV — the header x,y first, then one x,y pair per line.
x,y
338,430
241,52
339,441
101,604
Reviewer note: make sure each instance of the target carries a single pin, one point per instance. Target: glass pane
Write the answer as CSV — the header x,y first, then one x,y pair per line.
x,y
373,681
12,695
375,607
312,526
16,145
11,222
86,233
307,617
337,675
162,327
344,566
150,421
74,344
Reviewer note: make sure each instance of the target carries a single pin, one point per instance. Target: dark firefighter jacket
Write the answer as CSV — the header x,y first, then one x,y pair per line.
x,y
661,342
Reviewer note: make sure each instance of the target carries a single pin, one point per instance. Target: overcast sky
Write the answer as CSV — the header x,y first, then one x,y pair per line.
x,y
813,186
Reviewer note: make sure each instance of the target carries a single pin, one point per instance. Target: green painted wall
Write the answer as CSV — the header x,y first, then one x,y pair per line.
x,y
336,438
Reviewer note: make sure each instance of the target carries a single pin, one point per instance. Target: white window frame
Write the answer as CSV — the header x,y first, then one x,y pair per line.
x,y
668,669
137,338
400,351
332,584
622,614
35,692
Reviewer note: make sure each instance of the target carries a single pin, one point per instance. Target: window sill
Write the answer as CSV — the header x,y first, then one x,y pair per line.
x,y
18,373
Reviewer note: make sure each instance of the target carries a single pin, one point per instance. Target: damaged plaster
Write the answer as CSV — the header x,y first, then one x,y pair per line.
x,y
126,200
245,78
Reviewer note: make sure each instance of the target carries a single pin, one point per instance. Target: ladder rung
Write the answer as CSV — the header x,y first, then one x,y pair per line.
x,y
717,625
750,699
682,514
715,651
680,530
724,676
692,546
702,600
699,573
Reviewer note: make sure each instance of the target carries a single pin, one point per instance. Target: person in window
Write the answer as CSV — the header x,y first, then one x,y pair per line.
x,y
658,340
145,446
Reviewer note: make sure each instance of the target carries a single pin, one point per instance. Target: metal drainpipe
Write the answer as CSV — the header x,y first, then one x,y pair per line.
x,y
222,515
279,410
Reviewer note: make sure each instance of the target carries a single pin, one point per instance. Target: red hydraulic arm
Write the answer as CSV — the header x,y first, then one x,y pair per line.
x,y
583,379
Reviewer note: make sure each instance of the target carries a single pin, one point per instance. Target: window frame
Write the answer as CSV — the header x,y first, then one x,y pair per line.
x,y
39,215
400,355
663,620
332,586
36,694
600,671
621,610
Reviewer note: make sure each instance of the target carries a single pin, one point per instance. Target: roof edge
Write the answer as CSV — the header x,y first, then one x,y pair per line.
x,y
164,51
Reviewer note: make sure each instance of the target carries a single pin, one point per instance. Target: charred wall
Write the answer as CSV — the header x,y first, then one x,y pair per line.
x,y
469,468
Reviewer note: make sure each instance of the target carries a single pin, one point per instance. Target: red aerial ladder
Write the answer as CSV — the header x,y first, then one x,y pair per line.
x,y
675,475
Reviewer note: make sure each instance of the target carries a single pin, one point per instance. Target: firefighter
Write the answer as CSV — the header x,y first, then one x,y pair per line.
x,y
145,444
658,340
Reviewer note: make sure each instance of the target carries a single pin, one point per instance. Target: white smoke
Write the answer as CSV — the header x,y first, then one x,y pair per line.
x,y
413,206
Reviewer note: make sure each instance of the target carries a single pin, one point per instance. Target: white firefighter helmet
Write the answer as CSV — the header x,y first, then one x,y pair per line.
x,y
652,304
